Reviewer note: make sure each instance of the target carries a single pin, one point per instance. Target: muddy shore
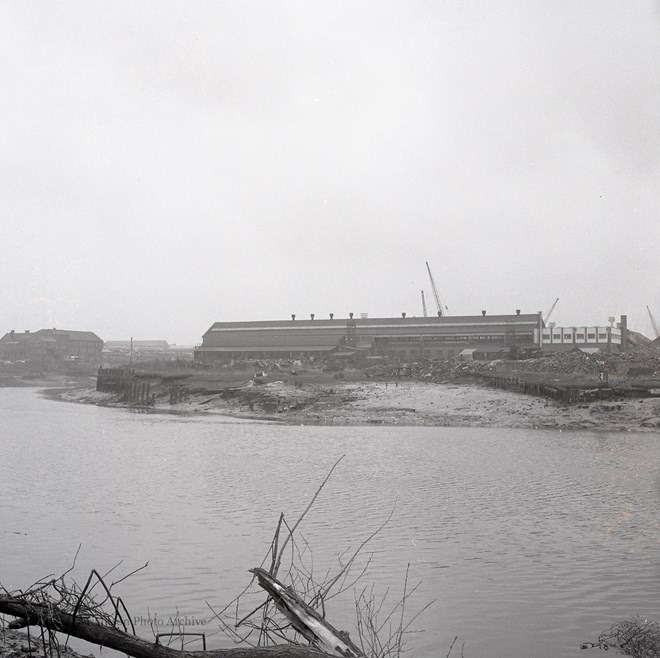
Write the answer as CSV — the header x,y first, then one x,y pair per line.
x,y
387,403
17,644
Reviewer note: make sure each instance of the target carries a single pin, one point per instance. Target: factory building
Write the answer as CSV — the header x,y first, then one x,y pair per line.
x,y
401,338
588,339
54,344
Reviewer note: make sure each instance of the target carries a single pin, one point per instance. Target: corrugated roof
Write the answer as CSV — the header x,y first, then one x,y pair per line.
x,y
341,323
267,348
66,333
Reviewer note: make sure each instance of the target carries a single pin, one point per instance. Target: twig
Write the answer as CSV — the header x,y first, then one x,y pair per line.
x,y
403,610
302,516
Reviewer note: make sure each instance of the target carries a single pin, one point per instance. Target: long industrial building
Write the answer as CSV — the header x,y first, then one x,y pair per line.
x,y
402,338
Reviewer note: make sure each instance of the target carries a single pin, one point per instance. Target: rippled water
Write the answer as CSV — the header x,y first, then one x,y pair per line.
x,y
530,541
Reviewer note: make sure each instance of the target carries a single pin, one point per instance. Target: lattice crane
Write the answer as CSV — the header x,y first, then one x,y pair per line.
x,y
438,303
549,313
653,323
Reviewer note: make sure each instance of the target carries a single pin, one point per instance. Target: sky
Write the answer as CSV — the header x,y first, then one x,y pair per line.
x,y
166,165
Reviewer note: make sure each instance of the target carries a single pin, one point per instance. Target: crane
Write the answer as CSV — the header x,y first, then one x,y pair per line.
x,y
424,305
549,313
438,303
653,323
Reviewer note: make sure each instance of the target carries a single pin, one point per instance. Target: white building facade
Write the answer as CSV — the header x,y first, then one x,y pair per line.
x,y
564,339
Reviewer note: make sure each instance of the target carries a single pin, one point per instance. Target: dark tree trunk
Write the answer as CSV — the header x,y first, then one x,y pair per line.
x,y
106,636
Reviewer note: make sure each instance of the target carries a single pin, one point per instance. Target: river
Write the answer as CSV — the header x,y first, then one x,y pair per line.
x,y
530,542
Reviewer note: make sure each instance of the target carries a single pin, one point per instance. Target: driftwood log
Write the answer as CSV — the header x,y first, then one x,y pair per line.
x,y
305,620
49,617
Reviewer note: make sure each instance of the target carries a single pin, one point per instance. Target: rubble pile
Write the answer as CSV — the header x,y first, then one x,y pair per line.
x,y
565,363
427,371
628,362
577,362
635,362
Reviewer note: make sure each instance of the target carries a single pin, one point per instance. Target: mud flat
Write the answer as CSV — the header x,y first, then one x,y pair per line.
x,y
408,403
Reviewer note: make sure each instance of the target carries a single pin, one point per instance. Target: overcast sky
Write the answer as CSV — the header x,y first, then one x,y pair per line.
x,y
165,165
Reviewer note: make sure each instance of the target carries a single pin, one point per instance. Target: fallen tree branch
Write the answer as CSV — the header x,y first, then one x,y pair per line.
x,y
305,620
33,614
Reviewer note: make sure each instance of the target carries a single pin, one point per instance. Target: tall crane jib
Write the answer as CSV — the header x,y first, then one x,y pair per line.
x,y
424,305
549,311
653,323
438,303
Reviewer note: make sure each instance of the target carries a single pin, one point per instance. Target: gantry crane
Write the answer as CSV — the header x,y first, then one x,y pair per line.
x,y
653,323
438,303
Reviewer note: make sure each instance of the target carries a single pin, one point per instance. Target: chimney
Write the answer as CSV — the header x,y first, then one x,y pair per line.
x,y
27,331
483,312
403,315
624,332
517,311
12,332
350,315
332,316
293,316
311,315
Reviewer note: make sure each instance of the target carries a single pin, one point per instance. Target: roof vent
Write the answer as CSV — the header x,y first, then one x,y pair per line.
x,y
517,311
350,315
403,315
332,316
483,312
311,315
293,316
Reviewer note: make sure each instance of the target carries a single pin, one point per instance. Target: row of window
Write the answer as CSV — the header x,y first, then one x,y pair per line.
x,y
426,354
456,339
590,336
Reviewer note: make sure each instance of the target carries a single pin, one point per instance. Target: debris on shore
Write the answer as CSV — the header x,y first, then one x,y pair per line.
x,y
18,644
